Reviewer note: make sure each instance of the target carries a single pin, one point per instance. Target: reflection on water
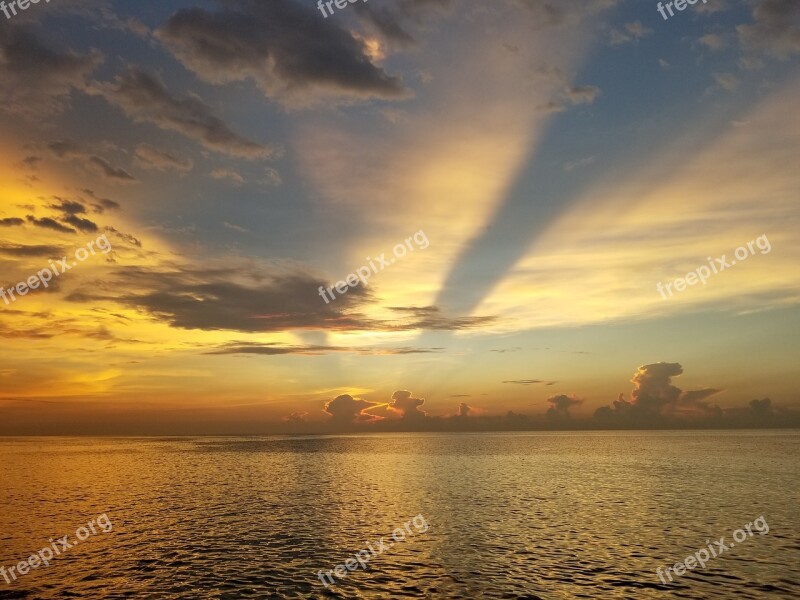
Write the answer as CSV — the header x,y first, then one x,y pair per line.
x,y
541,515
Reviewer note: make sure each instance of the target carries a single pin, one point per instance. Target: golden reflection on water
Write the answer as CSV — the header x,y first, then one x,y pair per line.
x,y
510,515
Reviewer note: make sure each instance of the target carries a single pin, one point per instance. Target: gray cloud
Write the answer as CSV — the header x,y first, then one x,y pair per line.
x,y
287,48
69,150
776,29
148,157
145,99
560,405
36,80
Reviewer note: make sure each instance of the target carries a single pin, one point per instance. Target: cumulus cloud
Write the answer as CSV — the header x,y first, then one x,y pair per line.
x,y
654,399
407,406
145,99
560,405
287,48
36,80
346,410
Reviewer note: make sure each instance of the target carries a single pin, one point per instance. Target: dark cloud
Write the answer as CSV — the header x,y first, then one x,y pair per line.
x,y
11,222
83,225
145,99
273,349
68,207
216,300
776,28
100,205
34,79
287,48
408,407
530,381
560,405
393,20
37,251
48,223
125,237
346,410
148,157
431,317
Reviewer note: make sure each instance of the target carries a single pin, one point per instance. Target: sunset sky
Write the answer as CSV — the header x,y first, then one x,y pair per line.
x,y
561,157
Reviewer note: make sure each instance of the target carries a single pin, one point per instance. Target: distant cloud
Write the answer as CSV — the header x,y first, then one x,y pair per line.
x,y
530,381
654,400
631,32
225,174
712,41
727,81
346,410
148,157
407,406
560,405
11,222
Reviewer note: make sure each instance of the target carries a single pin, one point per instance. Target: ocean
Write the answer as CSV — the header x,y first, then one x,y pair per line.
x,y
516,515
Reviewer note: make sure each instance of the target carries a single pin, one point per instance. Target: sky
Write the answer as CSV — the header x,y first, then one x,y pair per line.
x,y
545,207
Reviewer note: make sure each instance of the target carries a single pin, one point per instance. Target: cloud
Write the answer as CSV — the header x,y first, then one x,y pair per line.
x,y
654,400
48,223
11,222
151,158
712,41
776,29
632,32
36,251
406,406
346,410
228,174
431,317
293,54
530,381
145,99
36,80
274,349
394,21
571,96
68,150
214,299
560,405
727,81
